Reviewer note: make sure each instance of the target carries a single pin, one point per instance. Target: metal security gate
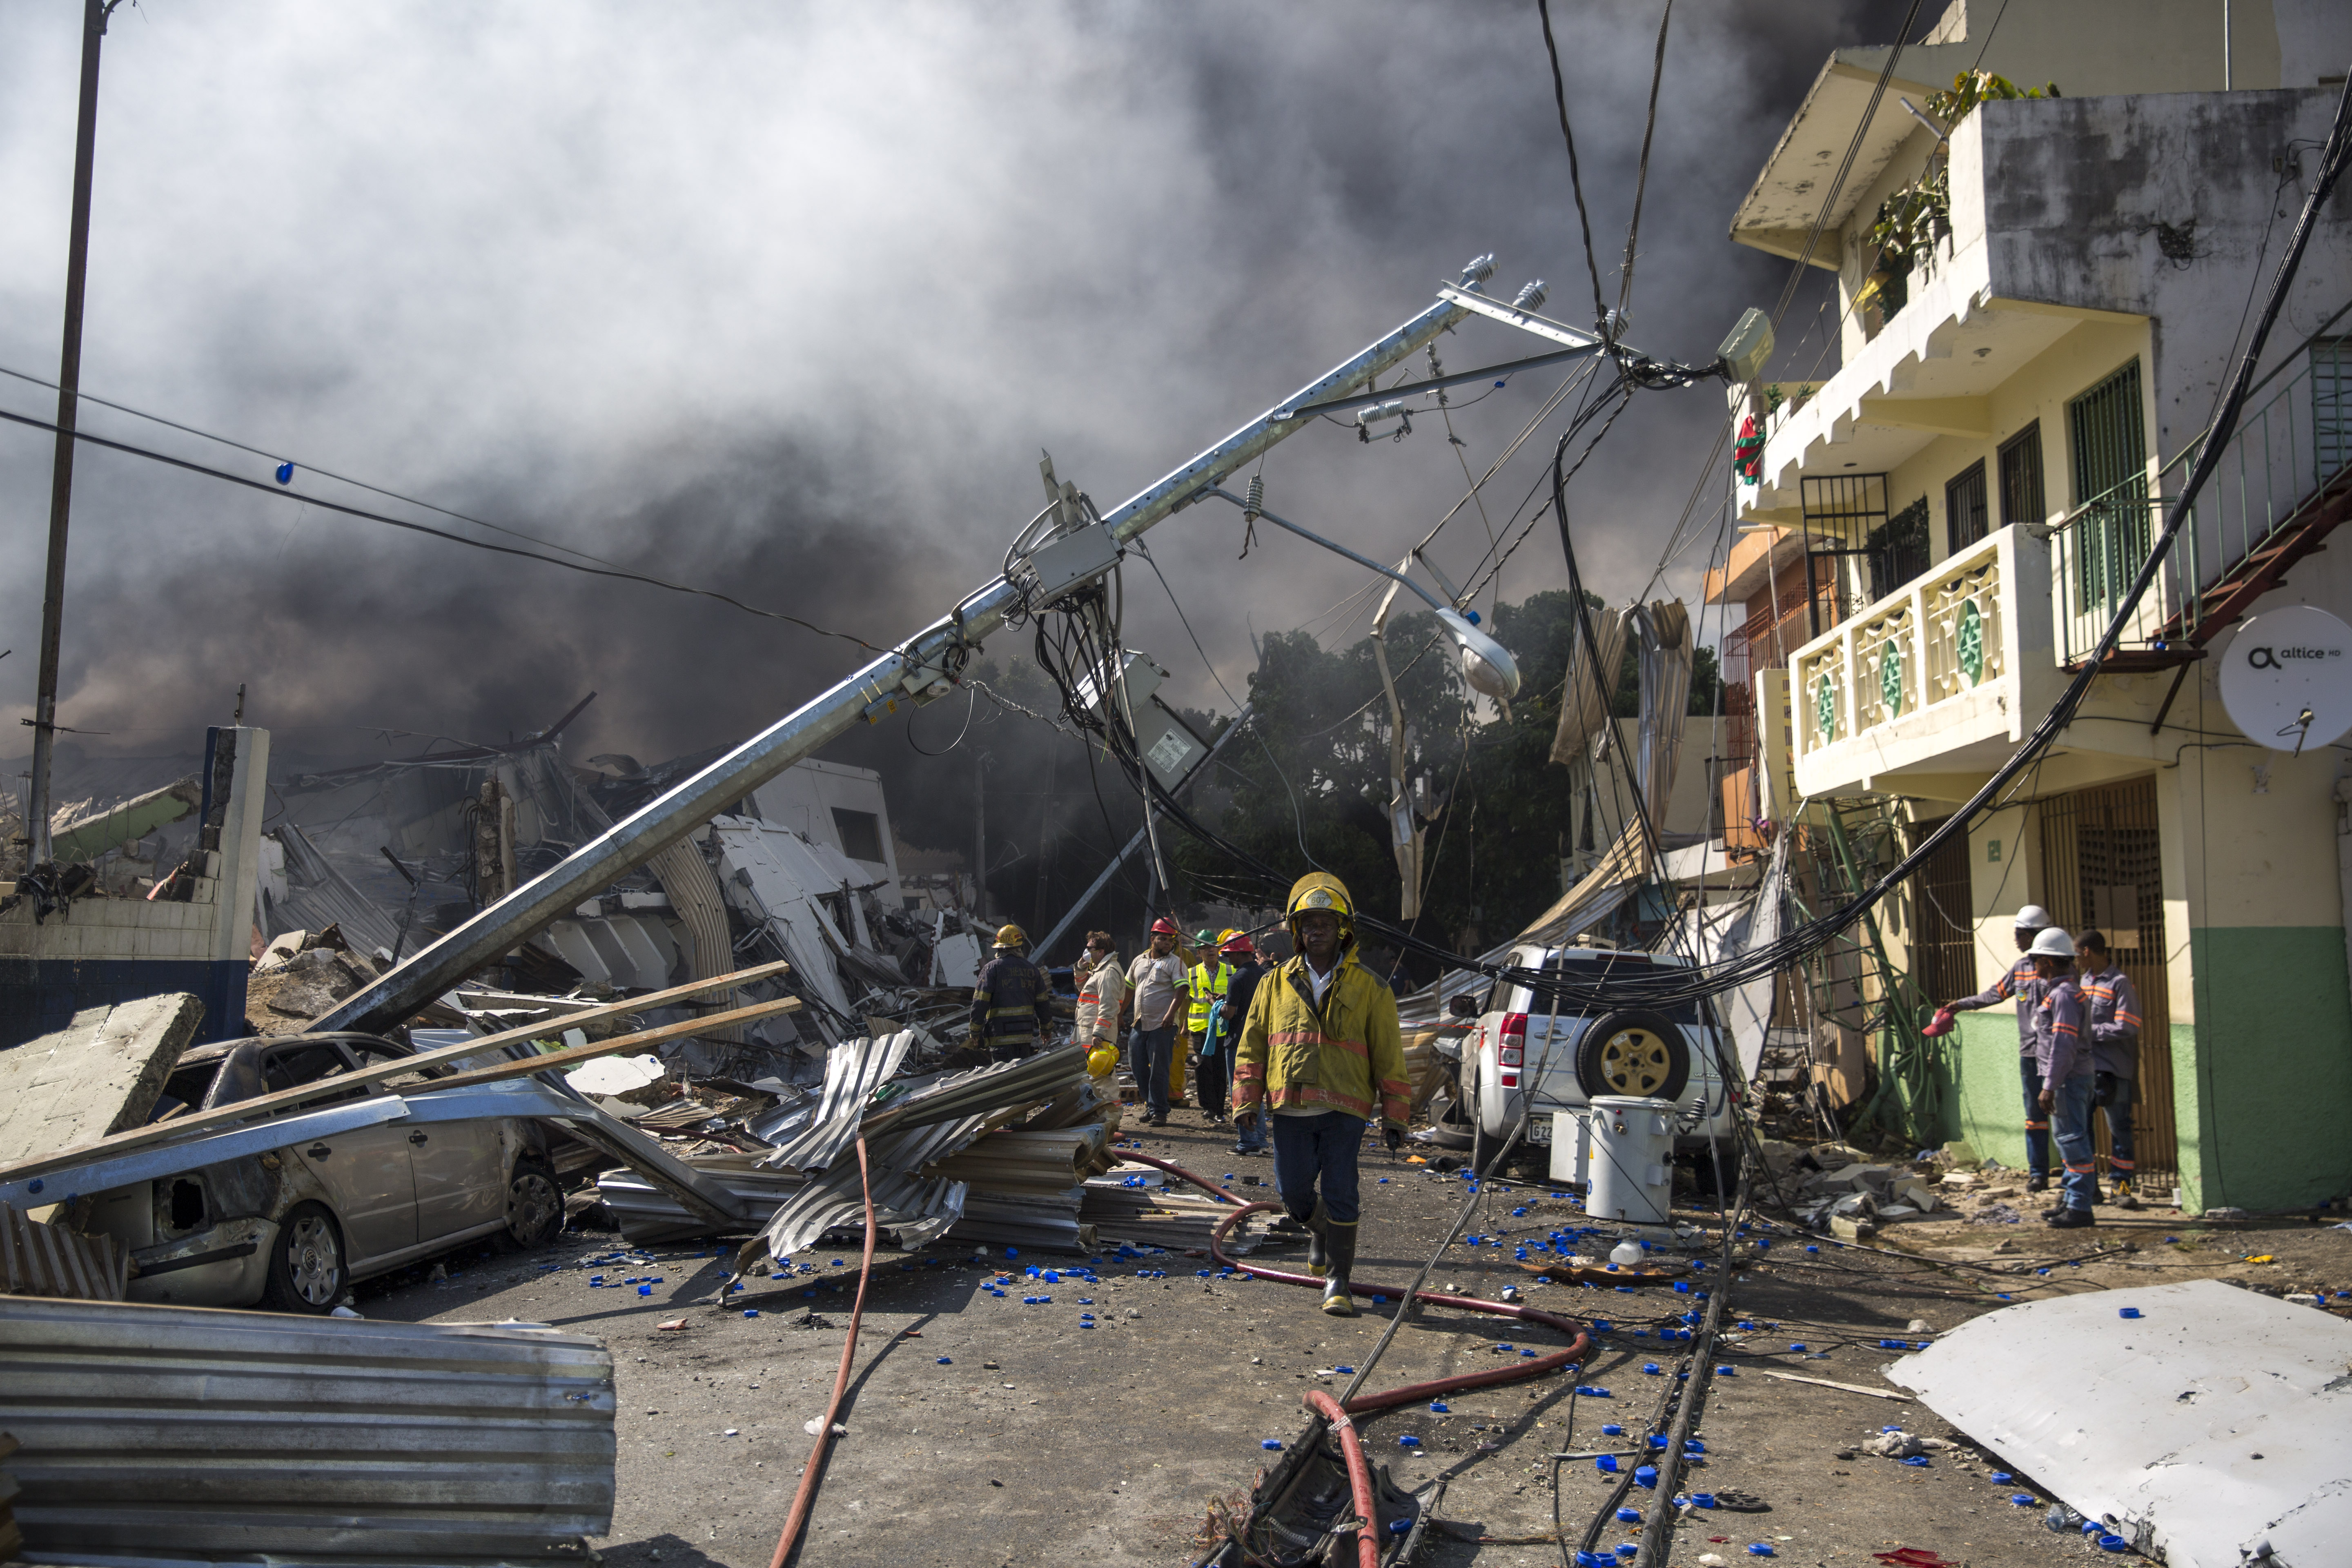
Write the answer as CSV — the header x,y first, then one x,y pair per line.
x,y
2102,867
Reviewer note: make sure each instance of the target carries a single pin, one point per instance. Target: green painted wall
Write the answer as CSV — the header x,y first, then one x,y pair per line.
x,y
1983,1099
2262,1082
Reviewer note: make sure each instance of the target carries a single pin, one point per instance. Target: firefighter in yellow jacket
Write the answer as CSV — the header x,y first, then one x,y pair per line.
x,y
1321,1045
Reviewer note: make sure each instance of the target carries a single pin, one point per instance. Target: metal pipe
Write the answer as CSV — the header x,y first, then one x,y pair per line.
x,y
907,675
53,587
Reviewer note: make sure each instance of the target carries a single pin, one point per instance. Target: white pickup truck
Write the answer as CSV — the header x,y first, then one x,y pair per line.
x,y
1521,1045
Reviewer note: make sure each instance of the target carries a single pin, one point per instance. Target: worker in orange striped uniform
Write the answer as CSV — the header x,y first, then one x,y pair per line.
x,y
2111,1009
2062,1052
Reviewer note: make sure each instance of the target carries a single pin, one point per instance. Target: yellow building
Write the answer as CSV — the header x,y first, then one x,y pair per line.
x,y
2041,297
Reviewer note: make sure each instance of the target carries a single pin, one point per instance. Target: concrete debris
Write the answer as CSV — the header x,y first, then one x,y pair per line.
x,y
100,1076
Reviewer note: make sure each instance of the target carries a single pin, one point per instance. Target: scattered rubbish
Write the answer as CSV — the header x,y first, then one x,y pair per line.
x,y
346,1312
675,1326
815,1424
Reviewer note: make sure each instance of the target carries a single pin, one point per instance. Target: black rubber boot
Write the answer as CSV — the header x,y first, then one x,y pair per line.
x,y
1338,1299
1319,1240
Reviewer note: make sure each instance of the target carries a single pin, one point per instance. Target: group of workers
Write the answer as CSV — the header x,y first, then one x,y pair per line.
x,y
1307,1062
2078,1050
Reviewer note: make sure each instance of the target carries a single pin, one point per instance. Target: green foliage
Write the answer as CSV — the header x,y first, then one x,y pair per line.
x,y
1917,217
1321,740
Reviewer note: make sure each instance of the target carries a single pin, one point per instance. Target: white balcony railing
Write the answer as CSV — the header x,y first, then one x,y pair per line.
x,y
1935,641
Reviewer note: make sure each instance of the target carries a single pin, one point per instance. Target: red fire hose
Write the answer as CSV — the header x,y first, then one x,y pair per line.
x,y
1580,1342
1359,1477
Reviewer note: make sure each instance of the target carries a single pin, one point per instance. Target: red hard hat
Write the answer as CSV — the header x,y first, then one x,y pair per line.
x,y
1165,927
1238,948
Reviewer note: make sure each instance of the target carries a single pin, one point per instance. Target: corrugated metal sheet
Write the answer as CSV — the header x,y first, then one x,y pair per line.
x,y
38,1260
854,1069
647,1214
983,1089
175,1431
917,1211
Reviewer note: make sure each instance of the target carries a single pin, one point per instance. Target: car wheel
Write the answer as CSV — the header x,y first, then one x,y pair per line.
x,y
1635,1053
534,1207
307,1270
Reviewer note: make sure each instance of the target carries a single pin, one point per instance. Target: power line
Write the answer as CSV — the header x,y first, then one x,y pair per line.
x,y
619,574
1576,178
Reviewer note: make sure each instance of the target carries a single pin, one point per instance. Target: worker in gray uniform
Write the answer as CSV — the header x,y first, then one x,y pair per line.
x,y
2019,983
2112,1005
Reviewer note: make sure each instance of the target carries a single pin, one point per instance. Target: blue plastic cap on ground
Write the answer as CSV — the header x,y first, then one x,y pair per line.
x,y
2127,1312
2022,1499
1726,1370
1613,1430
1762,1549
2114,1543
1704,1499
1652,1368
644,1289
1408,1441
947,1360
2001,1477
1399,1526
1606,1464
1348,1369
1439,1407
1917,1461
1797,1349
1271,1443
751,1312
1629,1516
1647,1476
1009,1252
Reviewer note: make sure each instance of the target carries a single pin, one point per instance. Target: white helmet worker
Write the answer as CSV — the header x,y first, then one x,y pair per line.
x,y
2033,917
2052,943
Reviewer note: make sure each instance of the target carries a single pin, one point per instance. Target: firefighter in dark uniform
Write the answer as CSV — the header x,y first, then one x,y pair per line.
x,y
1013,1005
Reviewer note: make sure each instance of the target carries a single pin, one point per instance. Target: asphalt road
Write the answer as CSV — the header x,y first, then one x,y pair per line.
x,y
988,1431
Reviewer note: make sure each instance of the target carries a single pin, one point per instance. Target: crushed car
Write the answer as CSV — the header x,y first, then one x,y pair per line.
x,y
291,1229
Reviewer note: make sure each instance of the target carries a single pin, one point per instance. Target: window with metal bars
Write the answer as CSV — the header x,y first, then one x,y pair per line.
x,y
1965,512
2111,477
2020,478
2331,405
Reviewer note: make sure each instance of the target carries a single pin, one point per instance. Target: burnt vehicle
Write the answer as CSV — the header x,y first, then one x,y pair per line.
x,y
291,1229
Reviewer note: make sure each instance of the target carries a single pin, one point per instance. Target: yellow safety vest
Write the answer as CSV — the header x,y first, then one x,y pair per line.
x,y
1206,986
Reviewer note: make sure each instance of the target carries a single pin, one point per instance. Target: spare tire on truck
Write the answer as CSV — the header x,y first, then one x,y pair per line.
x,y
1634,1052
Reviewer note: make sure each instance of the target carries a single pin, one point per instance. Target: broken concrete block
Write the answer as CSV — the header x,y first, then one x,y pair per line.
x,y
100,1074
1961,1153
1851,1229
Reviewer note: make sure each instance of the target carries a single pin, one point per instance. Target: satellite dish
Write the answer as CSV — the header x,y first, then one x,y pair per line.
x,y
2286,680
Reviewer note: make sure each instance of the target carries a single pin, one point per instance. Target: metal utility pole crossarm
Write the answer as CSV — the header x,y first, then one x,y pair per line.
x,y
53,585
919,672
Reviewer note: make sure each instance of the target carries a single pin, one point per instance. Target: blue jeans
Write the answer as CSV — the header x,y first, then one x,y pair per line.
x,y
1309,1151
2037,1124
1249,1136
1149,1054
2070,1112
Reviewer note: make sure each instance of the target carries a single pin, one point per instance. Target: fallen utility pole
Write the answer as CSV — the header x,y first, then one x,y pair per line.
x,y
53,586
919,672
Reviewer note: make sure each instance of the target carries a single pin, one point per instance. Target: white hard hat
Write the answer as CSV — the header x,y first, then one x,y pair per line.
x,y
2052,943
2033,917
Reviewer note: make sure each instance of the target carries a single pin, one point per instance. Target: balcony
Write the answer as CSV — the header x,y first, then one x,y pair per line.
x,y
1940,678
2282,483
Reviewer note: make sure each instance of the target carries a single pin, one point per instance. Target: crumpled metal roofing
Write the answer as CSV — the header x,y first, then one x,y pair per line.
x,y
918,1210
854,1069
178,1432
983,1089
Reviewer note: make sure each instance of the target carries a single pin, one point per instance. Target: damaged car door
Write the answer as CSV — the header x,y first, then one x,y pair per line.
x,y
367,1172
458,1167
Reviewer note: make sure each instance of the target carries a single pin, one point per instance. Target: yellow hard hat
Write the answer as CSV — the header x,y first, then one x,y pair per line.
x,y
1227,935
1321,890
1011,936
1101,1060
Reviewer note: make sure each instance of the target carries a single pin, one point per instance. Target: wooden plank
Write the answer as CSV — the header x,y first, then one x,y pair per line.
x,y
258,1108
573,1056
1841,1387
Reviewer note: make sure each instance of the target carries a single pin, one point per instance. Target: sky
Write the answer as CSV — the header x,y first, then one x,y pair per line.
x,y
785,301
